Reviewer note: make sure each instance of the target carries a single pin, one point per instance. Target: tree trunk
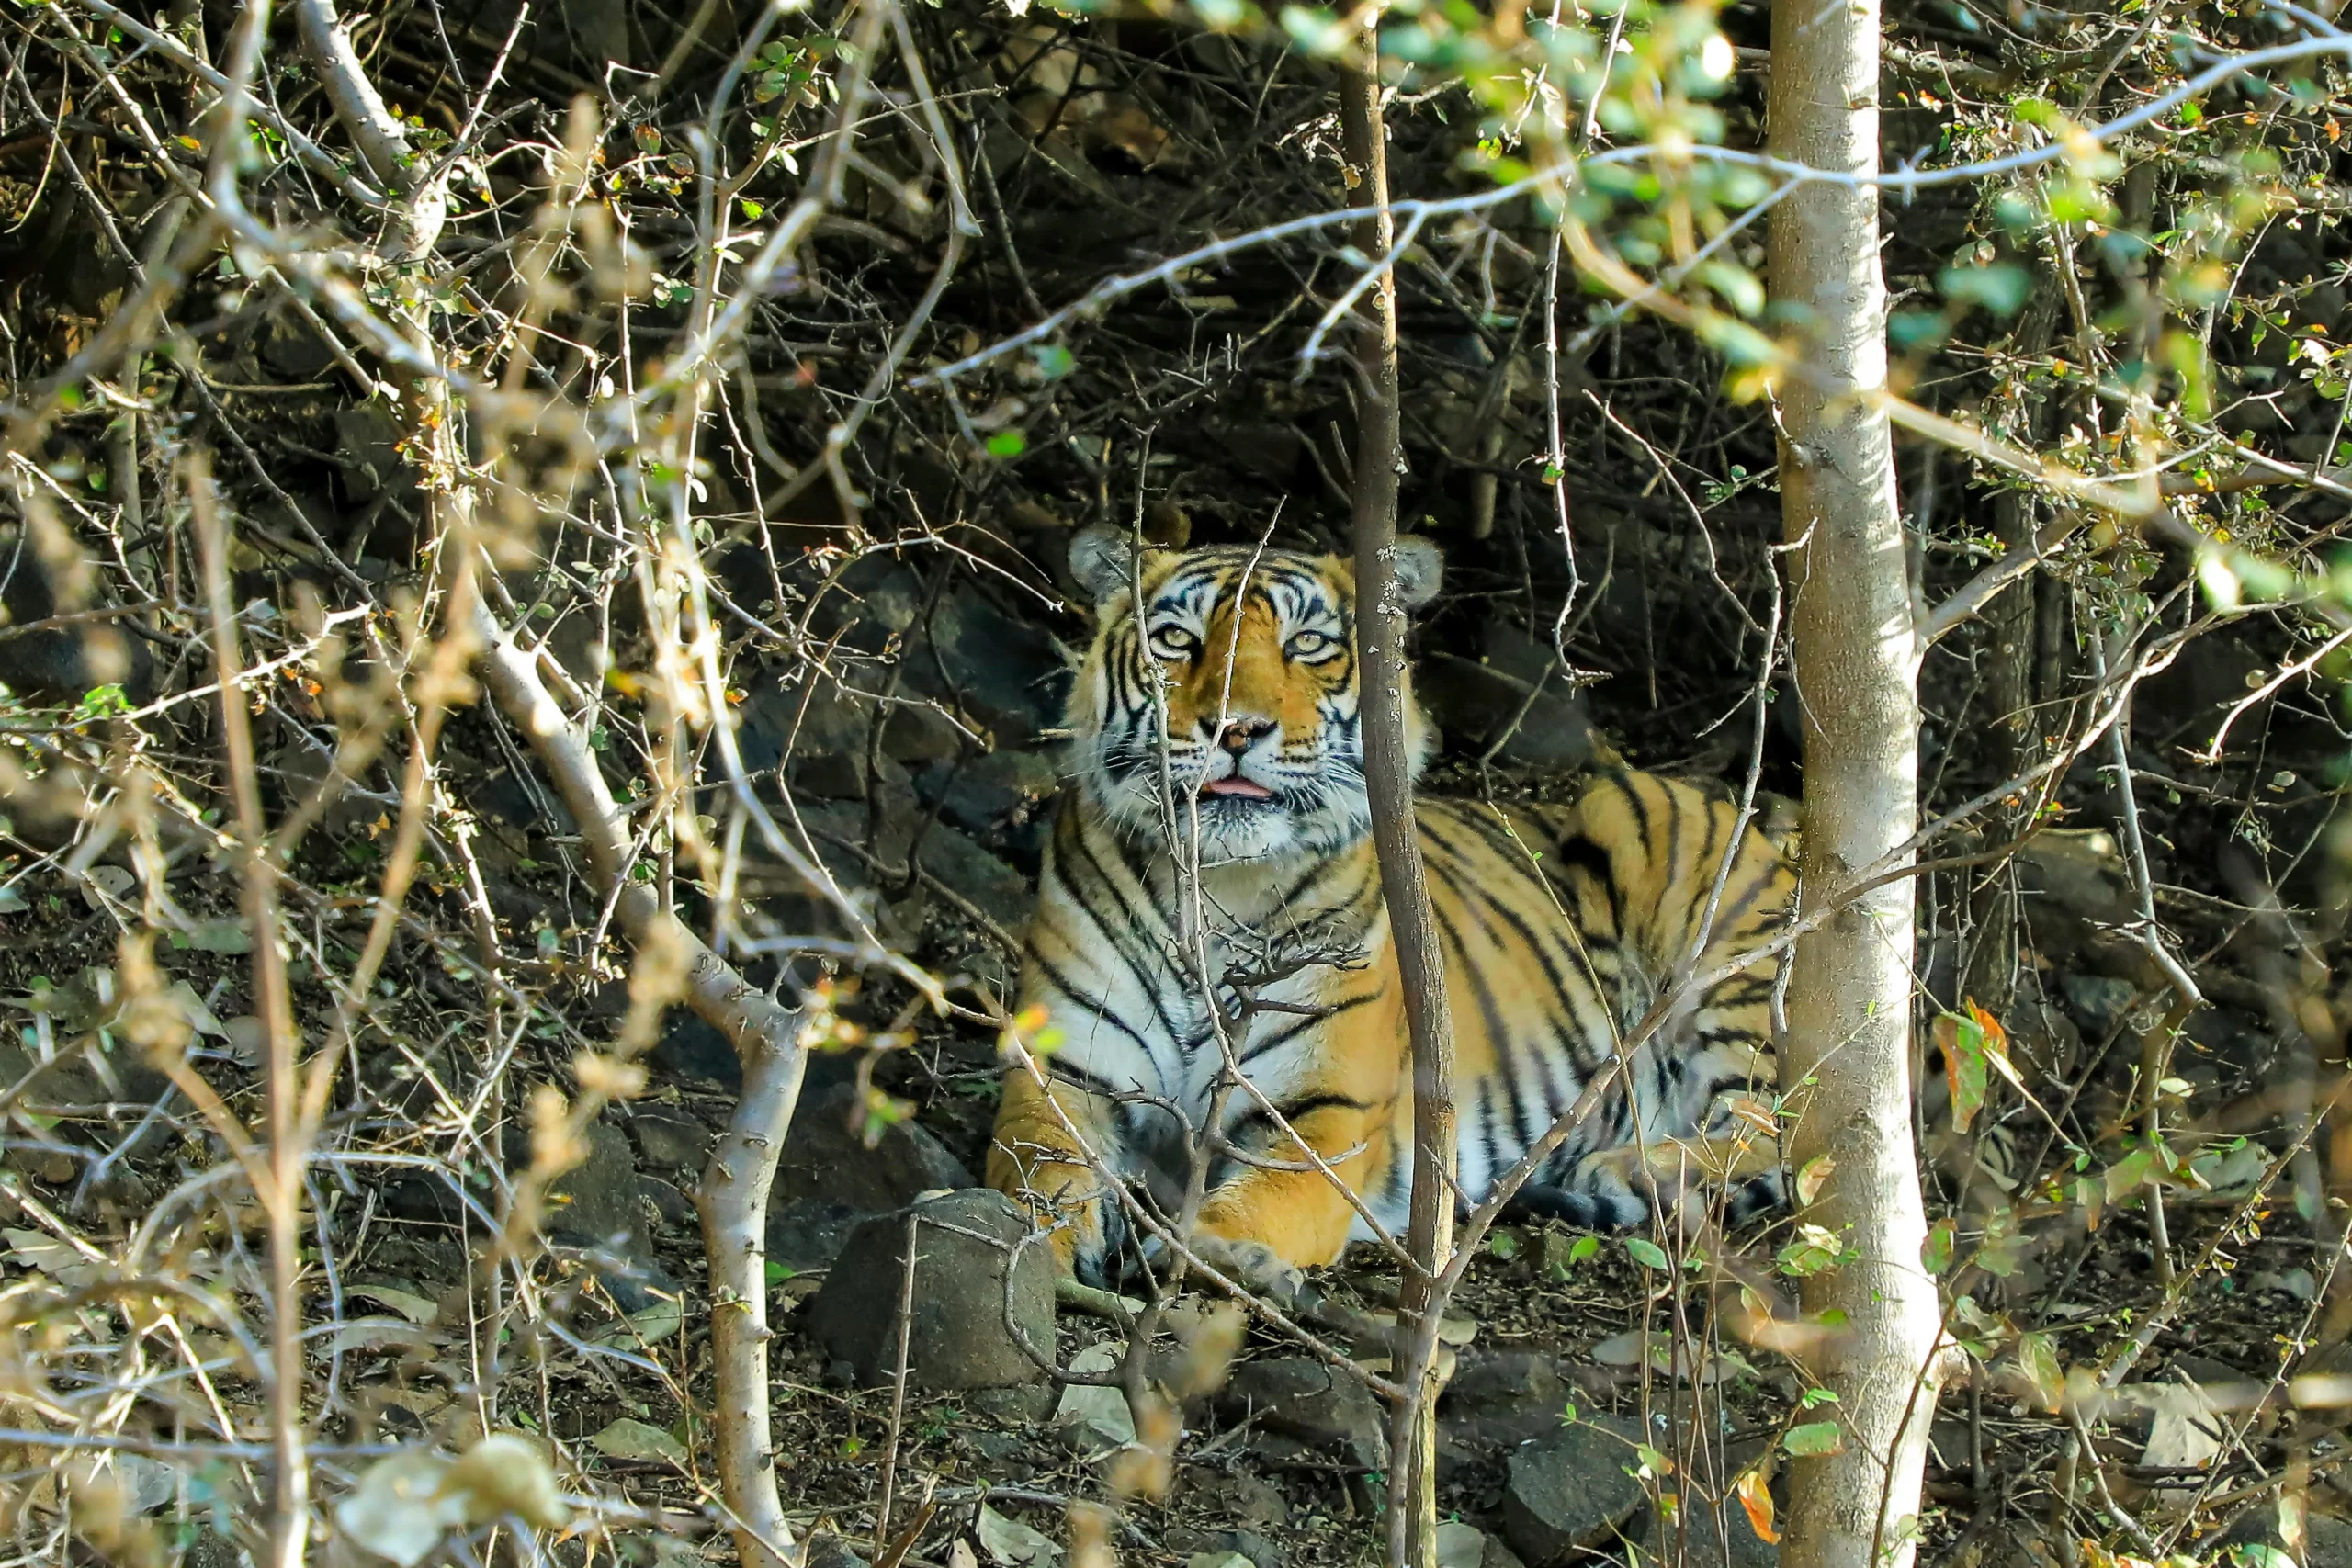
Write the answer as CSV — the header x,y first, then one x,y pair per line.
x,y
1380,628
1855,657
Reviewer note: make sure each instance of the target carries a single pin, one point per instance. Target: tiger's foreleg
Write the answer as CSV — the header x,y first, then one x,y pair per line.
x,y
1045,1133
1279,1209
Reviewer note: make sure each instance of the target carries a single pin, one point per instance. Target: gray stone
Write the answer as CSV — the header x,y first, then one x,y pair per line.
x,y
669,1140
1311,1400
1570,1492
1505,1382
977,877
1501,1398
1498,1555
1532,722
677,1209
827,1550
2100,1002
1249,1498
1003,800
596,1203
810,1232
1702,1543
1238,1547
965,1252
826,1157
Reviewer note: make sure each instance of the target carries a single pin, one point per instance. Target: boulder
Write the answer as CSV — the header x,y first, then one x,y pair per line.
x,y
1311,1400
968,1246
1571,1492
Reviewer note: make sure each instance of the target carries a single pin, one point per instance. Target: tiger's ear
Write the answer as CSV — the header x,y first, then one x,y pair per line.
x,y
1420,568
1101,557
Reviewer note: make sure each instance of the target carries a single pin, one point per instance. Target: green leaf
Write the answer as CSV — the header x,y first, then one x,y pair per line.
x,y
1502,1244
1008,444
1645,1253
1814,1398
1815,1439
1934,1251
753,212
2000,288
2038,1354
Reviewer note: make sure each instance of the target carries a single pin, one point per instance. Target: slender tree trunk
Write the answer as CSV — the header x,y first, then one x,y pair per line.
x,y
1855,657
1380,629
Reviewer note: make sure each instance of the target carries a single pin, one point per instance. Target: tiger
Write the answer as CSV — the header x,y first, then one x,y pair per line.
x,y
1218,825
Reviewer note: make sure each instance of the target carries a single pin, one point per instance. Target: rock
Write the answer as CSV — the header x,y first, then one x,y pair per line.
x,y
1244,1496
1703,1545
1570,1492
826,1156
669,1140
1307,1399
596,1203
211,1551
977,877
827,1550
964,1252
1242,1548
2074,884
1497,1555
1465,1546
63,663
1501,1398
2102,1003
1538,722
693,1049
598,1206
1004,800
676,1210
808,1234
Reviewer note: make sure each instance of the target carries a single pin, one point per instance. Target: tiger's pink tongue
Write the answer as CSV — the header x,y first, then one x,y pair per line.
x,y
1238,786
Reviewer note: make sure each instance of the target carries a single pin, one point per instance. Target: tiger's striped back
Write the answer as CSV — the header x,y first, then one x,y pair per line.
x,y
1212,953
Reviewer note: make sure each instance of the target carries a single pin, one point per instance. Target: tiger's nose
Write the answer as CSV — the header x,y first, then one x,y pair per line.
x,y
1240,734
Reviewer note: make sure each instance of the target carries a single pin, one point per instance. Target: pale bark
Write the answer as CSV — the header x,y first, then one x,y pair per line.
x,y
1847,1056
1388,780
733,1200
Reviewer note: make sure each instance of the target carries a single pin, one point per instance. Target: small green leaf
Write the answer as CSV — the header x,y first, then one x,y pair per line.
x,y
1008,444
1646,1253
1934,1251
1502,1244
2000,288
753,211
1815,1439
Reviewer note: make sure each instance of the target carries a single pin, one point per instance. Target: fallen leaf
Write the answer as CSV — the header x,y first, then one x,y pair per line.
x,y
1093,1418
655,1323
101,883
961,1555
2187,1431
1011,1543
68,1266
381,1334
414,1308
398,1511
640,1441
1810,1179
1755,1496
227,937
2038,1354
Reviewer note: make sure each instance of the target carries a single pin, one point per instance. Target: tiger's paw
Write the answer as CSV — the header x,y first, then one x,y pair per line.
x,y
1256,1266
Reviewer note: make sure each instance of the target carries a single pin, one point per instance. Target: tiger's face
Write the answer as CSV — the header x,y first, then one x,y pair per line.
x,y
1254,664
